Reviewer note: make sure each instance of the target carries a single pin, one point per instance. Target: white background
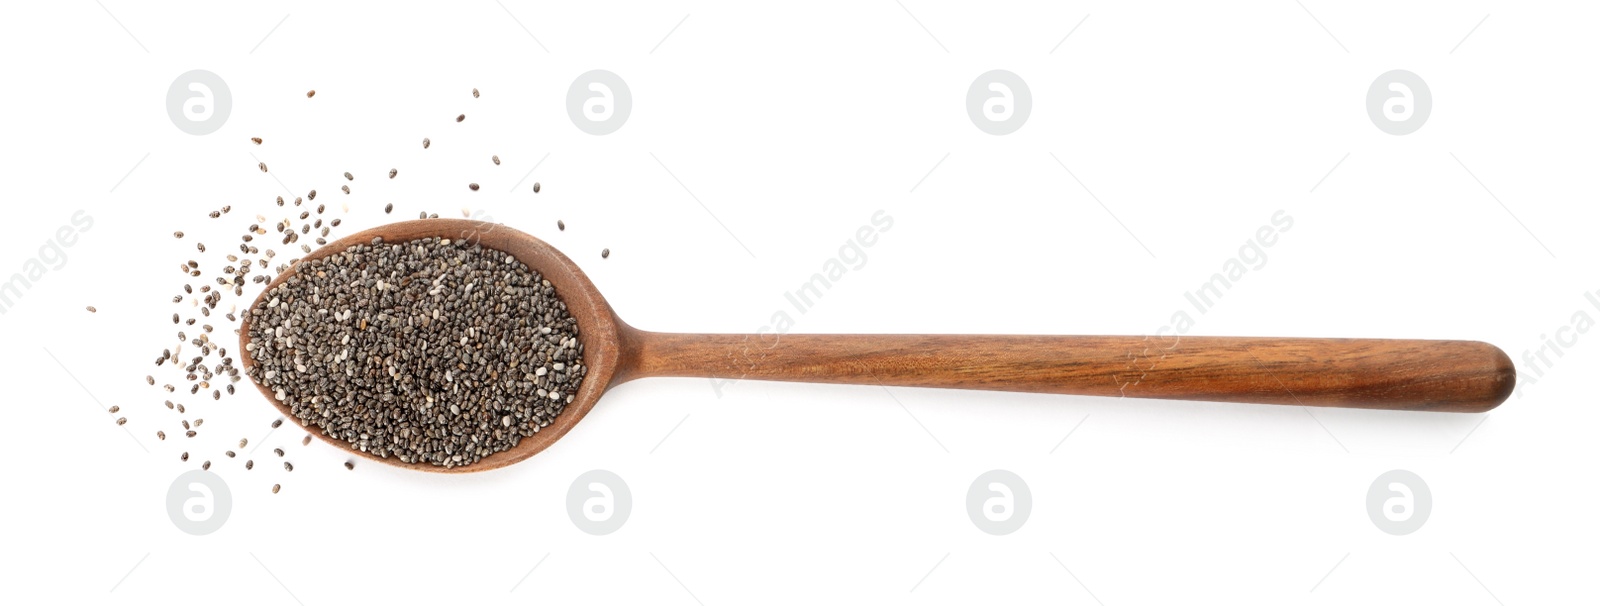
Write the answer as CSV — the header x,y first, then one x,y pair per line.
x,y
791,126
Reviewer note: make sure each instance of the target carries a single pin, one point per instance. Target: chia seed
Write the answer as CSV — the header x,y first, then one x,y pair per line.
x,y
430,351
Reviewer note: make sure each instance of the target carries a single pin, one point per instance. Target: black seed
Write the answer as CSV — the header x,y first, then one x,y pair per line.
x,y
521,385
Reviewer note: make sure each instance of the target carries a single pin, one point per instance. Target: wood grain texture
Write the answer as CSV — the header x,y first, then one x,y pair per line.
x,y
1454,376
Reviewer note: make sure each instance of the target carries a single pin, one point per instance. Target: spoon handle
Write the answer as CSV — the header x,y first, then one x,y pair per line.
x,y
1452,376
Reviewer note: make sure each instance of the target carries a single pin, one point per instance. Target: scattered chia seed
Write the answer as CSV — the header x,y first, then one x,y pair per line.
x,y
311,93
91,309
287,466
275,488
122,420
605,253
457,335
248,465
561,225
515,359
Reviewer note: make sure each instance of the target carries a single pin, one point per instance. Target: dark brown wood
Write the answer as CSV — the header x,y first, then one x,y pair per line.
x,y
1454,376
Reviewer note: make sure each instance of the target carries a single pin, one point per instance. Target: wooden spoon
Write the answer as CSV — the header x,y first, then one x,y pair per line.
x,y
1450,376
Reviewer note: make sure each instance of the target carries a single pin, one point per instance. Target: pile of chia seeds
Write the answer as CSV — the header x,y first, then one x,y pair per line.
x,y
432,350
216,280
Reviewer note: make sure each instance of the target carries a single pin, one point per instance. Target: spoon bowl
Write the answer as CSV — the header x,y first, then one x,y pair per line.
x,y
1389,374
598,327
